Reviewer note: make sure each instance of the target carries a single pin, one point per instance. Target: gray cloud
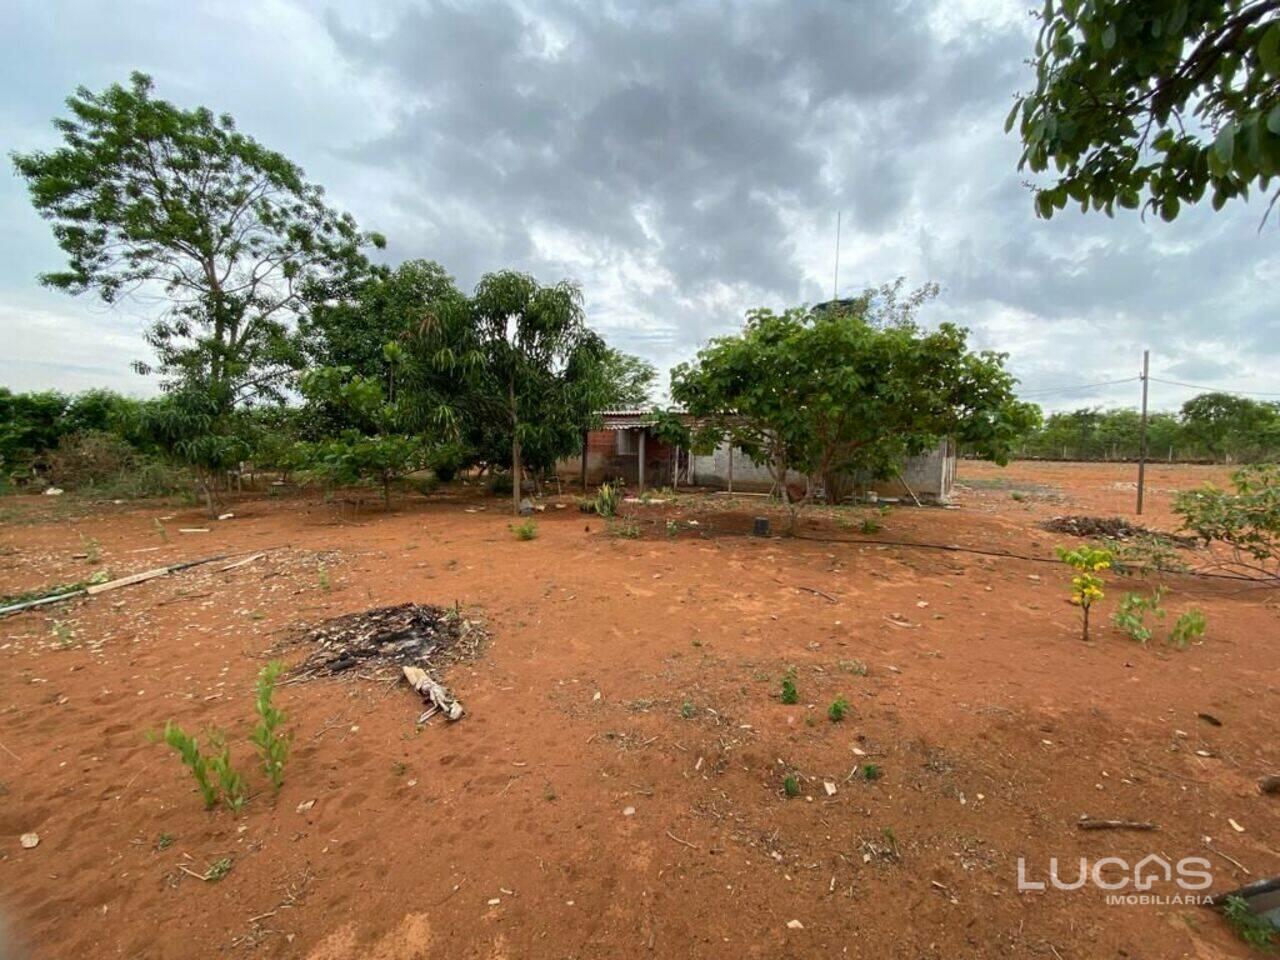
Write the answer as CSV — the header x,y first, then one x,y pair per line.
x,y
683,161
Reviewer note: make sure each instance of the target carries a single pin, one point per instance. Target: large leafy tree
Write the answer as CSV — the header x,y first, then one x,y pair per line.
x,y
626,380
530,364
831,392
1228,427
1153,103
145,196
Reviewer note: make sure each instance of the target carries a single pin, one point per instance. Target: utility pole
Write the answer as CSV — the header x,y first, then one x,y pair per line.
x,y
1142,441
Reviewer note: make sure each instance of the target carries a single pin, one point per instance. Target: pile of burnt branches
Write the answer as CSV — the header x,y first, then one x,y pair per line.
x,y
389,638
1112,528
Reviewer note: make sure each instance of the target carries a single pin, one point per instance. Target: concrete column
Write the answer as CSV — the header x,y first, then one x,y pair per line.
x,y
643,431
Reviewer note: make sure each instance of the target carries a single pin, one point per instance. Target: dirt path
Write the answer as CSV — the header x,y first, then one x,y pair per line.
x,y
617,789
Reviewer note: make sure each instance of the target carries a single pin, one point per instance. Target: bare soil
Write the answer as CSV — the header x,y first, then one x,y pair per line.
x,y
616,789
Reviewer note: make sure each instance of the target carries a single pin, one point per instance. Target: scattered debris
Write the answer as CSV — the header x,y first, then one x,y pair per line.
x,y
305,805
439,699
53,491
29,841
1210,719
95,588
794,925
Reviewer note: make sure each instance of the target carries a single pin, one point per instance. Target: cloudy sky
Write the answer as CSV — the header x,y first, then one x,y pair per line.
x,y
683,162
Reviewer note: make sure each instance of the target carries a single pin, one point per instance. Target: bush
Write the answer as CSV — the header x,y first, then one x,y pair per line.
x,y
1248,520
88,459
500,484
527,530
607,498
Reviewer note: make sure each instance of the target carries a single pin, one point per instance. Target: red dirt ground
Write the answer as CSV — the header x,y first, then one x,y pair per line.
x,y
616,789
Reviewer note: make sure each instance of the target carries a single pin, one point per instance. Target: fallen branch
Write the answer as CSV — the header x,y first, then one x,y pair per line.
x,y
1088,823
825,596
97,588
434,694
691,846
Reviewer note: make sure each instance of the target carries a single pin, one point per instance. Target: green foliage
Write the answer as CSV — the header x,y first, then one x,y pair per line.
x,y
1188,628
218,869
791,786
1086,585
1255,930
1152,104
839,707
623,528
188,748
789,693
626,381
869,526
270,740
607,499
145,196
853,390
1246,520
1130,614
377,449
230,783
526,530
871,771
688,710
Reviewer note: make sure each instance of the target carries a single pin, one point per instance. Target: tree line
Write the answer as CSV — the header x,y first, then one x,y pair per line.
x,y
283,342
1215,426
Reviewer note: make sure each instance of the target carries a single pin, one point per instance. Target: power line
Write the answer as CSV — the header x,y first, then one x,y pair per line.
x,y
1076,389
1201,386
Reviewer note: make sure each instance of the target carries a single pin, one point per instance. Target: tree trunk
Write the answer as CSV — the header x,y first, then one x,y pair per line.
x,y
516,471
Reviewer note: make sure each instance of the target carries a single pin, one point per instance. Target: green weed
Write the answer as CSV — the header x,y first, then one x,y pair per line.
x,y
789,693
607,498
1131,613
188,748
871,771
791,786
527,530
839,707
1188,627
272,742
1253,929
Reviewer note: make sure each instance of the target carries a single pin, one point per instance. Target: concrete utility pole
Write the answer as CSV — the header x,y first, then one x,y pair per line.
x,y
1142,430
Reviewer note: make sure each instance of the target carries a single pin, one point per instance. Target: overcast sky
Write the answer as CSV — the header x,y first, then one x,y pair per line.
x,y
683,162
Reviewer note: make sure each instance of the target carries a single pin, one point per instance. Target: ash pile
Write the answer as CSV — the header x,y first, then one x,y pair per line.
x,y
389,638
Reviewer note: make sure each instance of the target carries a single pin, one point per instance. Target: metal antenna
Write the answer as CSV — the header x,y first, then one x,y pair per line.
x,y
835,283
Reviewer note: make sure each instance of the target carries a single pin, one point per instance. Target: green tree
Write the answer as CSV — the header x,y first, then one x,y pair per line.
x,y
531,363
145,196
627,380
378,448
1228,427
831,392
1152,103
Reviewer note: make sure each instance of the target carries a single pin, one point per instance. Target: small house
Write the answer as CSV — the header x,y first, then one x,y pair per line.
x,y
623,448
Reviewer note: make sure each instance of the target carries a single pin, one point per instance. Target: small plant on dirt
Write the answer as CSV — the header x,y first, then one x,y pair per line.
x,y
230,782
789,693
322,577
869,526
673,528
92,549
218,869
271,741
1086,585
607,498
791,786
1018,496
688,710
1130,615
188,748
64,634
528,530
1187,628
1253,929
625,529
165,841
871,771
548,792
160,529
839,707
855,667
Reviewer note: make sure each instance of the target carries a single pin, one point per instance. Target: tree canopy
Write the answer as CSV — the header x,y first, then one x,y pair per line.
x,y
830,392
144,196
1153,103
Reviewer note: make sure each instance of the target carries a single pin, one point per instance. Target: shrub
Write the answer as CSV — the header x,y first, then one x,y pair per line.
x,y
89,458
1248,520
1086,585
626,529
1188,627
607,499
789,693
839,707
1253,929
271,741
500,484
1130,615
230,782
528,530
791,786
